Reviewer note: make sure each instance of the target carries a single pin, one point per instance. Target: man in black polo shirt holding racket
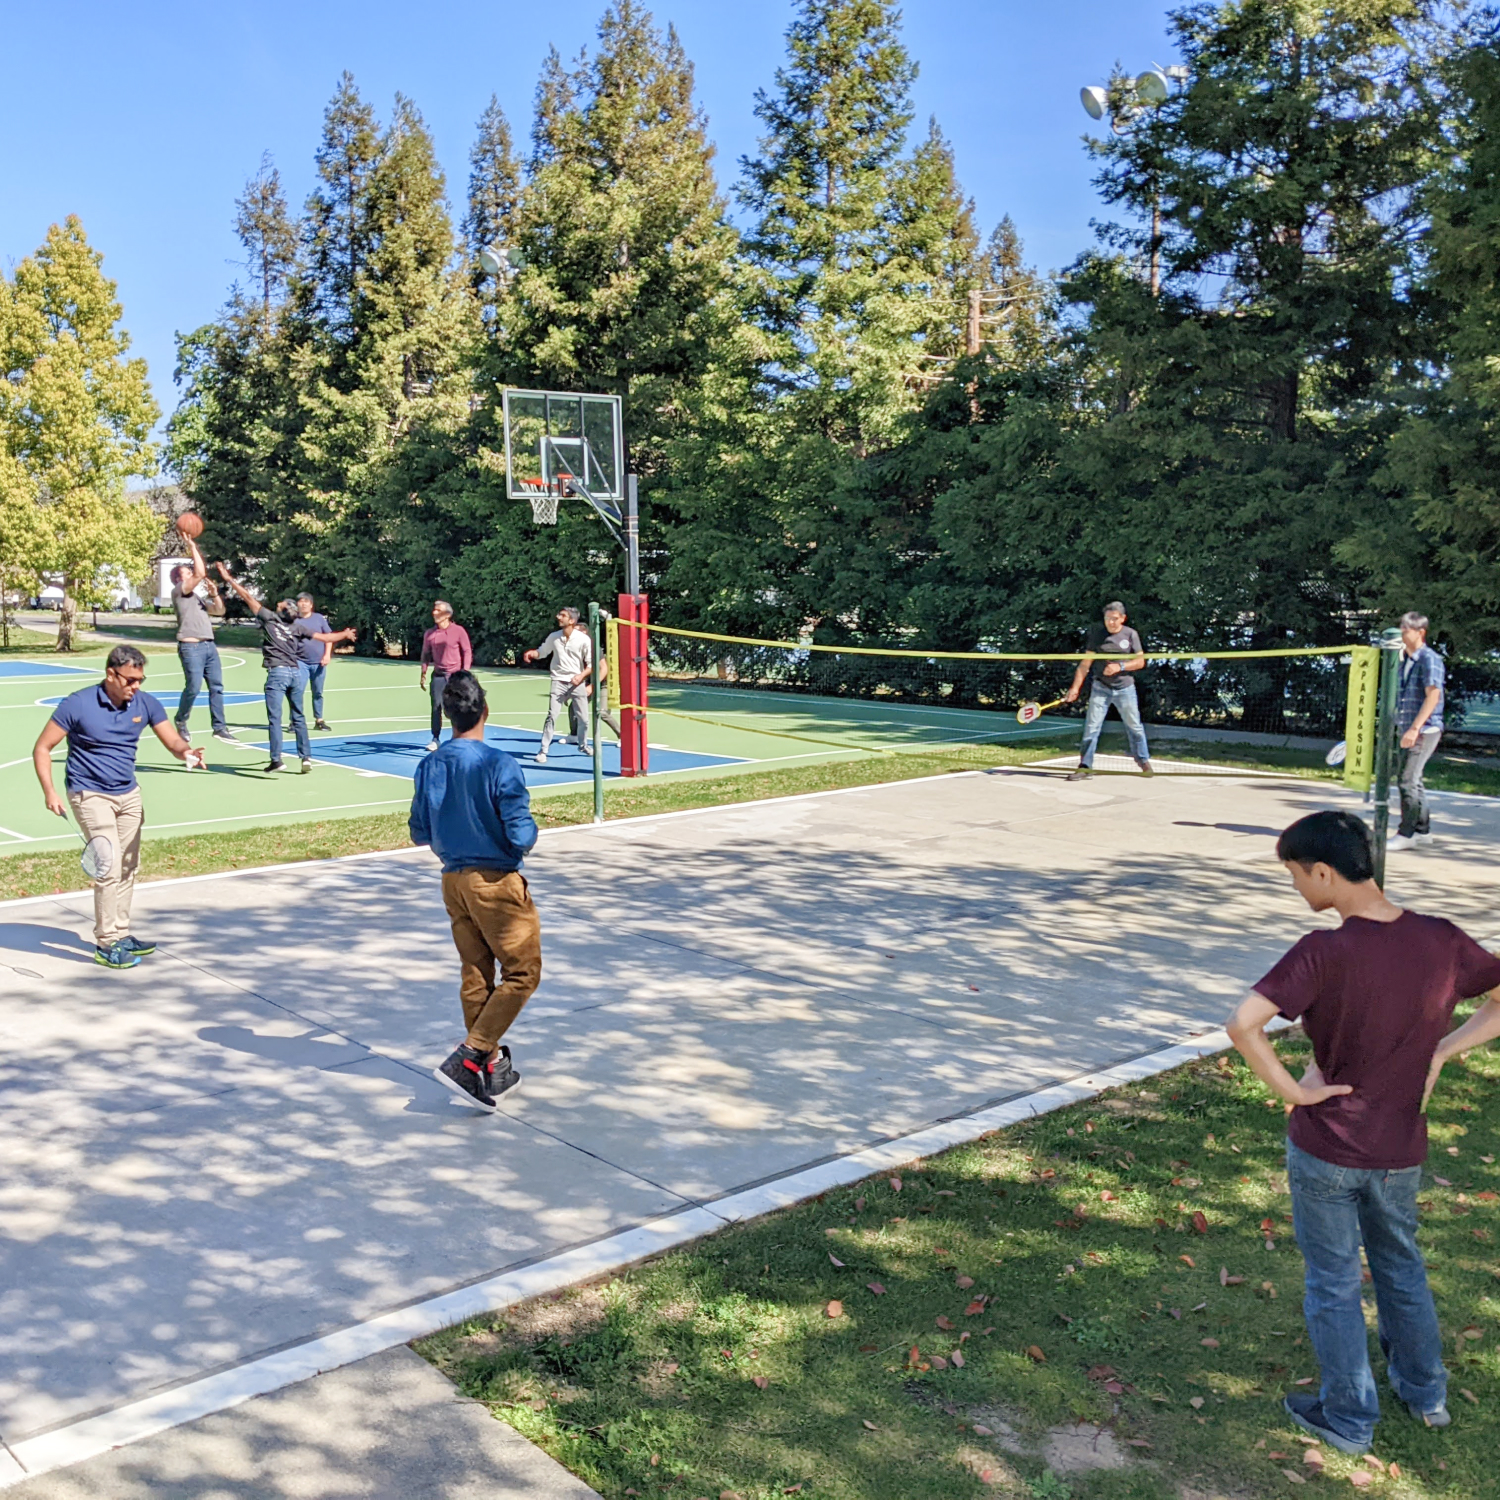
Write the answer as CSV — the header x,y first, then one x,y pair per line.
x,y
1115,653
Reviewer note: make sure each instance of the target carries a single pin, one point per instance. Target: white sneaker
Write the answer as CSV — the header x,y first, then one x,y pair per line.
x,y
1398,842
1421,838
431,746
541,757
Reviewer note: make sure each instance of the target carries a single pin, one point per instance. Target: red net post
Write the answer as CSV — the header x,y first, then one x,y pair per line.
x,y
635,648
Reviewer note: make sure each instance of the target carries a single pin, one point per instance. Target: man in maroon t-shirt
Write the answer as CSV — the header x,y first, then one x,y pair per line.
x,y
446,649
1376,997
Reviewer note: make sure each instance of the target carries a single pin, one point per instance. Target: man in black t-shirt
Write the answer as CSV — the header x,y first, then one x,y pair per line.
x,y
1114,654
280,654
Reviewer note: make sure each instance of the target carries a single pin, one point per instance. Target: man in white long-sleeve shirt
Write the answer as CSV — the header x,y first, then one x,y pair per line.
x,y
572,654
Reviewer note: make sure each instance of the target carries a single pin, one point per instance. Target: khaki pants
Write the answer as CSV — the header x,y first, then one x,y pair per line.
x,y
494,920
120,820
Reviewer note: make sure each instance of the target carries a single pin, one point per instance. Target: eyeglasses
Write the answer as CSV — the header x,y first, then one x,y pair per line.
x,y
129,681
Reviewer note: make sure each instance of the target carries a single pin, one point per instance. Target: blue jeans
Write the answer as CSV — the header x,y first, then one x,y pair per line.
x,y
284,685
1334,1210
200,663
1124,703
312,676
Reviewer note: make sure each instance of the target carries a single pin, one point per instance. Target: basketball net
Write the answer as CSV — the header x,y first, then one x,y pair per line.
x,y
544,509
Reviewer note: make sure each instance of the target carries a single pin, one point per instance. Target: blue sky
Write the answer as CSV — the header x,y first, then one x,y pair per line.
x,y
145,119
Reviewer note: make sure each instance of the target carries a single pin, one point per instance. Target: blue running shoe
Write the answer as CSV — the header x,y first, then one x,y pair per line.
x,y
137,947
116,956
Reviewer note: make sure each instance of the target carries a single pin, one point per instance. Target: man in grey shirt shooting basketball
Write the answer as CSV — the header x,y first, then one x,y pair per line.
x,y
197,604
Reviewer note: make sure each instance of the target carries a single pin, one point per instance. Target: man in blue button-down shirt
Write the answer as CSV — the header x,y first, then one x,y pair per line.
x,y
1419,721
471,805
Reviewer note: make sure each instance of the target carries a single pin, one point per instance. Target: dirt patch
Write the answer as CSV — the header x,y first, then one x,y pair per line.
x,y
989,1469
1001,1427
568,1315
1076,1449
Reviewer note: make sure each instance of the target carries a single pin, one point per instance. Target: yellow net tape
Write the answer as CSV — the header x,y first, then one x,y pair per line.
x,y
613,677
748,640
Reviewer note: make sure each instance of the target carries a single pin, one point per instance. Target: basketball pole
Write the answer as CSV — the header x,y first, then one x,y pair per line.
x,y
594,701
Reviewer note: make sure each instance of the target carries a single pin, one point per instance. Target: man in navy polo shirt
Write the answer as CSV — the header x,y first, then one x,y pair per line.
x,y
103,725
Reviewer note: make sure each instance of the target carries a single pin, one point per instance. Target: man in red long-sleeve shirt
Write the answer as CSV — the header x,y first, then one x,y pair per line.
x,y
446,649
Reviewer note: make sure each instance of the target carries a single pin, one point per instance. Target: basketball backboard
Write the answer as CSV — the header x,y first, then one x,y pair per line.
x,y
561,443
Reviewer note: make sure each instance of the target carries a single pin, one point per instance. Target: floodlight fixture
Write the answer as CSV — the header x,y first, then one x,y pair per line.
x,y
1152,87
492,260
1095,101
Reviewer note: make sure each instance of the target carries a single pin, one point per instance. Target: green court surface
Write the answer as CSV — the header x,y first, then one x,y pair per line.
x,y
380,728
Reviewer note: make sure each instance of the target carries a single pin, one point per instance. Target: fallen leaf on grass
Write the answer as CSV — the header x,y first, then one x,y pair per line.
x,y
1200,1222
1487,1196
1306,1380
759,1382
1294,1476
728,1495
1035,1353
835,1260
1107,1196
1360,1478
655,1459
956,1359
974,1308
983,1431
859,1208
1176,1313
672,1368
1441,1181
1137,1443
1489,1161
1452,1150
1394,1470
1114,1387
1468,1396
938,1362
870,1426
835,1309
869,1349
1196,1402
1188,1261
964,1283
945,1193
1199,1307
1101,1372
895,1184
1209,1343
876,1287
1313,1458
943,1322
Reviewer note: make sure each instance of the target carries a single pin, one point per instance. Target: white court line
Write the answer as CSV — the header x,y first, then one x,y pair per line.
x,y
259,1377
20,838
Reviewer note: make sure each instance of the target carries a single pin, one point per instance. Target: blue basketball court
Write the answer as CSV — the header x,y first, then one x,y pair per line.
x,y
400,752
43,669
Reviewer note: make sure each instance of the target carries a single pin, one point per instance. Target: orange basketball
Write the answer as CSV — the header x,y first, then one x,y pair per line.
x,y
190,524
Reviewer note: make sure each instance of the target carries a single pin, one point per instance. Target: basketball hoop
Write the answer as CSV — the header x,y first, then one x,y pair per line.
x,y
544,509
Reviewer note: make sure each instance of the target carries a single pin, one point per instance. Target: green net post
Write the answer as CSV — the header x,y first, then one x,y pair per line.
x,y
1385,741
594,701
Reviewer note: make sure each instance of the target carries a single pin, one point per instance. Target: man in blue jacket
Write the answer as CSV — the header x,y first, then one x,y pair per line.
x,y
471,805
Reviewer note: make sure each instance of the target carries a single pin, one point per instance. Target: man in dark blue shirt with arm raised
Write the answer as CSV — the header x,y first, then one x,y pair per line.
x,y
471,805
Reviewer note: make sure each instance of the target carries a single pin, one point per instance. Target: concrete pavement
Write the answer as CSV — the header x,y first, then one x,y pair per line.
x,y
237,1148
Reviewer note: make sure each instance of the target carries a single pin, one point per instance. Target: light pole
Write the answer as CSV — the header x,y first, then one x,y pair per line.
x,y
1121,103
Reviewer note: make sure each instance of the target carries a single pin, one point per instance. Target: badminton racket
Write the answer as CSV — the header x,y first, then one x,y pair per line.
x,y
1029,712
98,857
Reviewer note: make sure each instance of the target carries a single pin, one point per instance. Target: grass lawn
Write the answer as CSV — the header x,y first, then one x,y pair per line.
x,y
57,870
1126,1264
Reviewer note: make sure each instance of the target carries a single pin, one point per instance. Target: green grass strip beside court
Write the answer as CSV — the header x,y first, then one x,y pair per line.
x,y
719,1370
57,870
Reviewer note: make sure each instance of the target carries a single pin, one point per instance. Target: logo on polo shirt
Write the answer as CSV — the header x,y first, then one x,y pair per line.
x,y
136,720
